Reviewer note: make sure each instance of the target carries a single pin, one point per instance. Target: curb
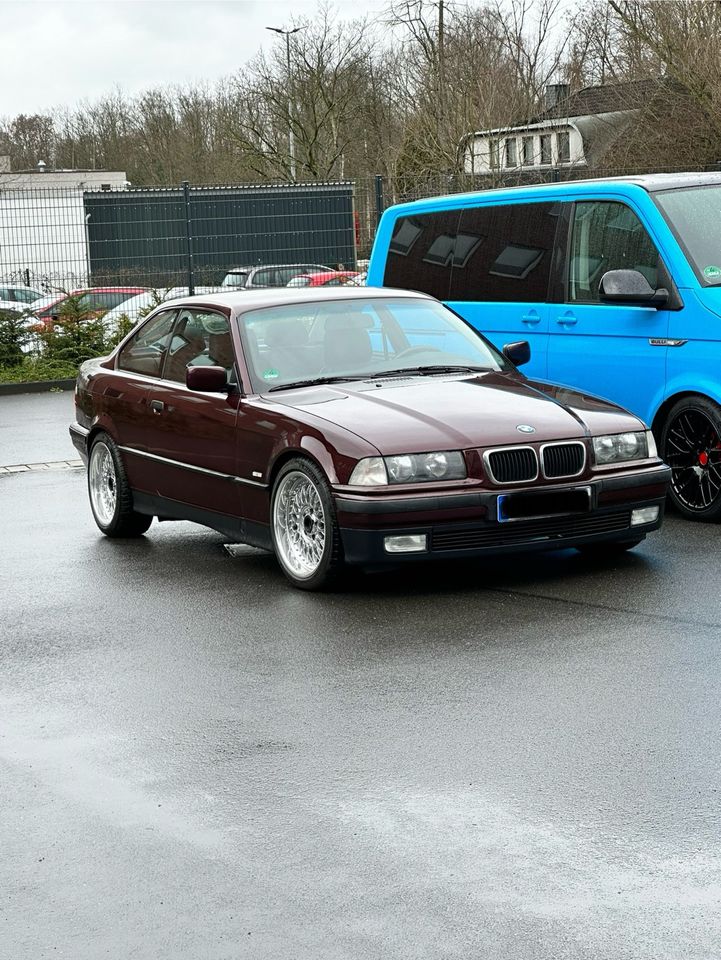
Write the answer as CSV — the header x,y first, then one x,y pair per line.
x,y
36,386
32,467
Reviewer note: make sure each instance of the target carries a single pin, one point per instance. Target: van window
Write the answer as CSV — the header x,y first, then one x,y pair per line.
x,y
422,250
695,214
607,236
503,253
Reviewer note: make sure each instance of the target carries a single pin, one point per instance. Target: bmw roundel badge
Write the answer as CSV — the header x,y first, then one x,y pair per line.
x,y
525,428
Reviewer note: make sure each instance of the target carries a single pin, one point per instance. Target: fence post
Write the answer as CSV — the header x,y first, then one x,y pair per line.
x,y
379,198
188,237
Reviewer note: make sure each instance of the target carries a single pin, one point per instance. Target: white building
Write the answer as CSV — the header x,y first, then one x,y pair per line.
x,y
573,131
44,226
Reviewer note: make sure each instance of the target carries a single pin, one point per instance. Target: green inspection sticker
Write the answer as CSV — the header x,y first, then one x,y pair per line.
x,y
271,374
712,273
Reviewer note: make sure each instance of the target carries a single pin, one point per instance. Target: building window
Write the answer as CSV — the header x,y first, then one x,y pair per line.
x,y
511,152
564,148
529,154
493,154
546,158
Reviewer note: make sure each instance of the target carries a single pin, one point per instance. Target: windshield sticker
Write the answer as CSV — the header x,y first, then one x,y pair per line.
x,y
271,374
712,273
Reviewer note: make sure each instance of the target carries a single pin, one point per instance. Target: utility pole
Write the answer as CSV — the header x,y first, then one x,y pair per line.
x,y
441,73
291,135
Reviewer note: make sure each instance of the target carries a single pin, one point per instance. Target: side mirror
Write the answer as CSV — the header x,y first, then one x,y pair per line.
x,y
518,353
630,286
207,379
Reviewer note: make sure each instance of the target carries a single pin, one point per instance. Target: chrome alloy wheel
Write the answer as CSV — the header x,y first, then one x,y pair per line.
x,y
102,483
299,524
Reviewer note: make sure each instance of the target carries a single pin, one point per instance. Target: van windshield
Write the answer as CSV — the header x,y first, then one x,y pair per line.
x,y
695,215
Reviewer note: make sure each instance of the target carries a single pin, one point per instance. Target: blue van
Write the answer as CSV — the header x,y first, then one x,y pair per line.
x,y
616,284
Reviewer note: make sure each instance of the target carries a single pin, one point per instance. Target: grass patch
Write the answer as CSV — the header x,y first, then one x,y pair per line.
x,y
37,368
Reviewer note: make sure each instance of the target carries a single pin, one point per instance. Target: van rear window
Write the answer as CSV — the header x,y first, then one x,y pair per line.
x,y
485,253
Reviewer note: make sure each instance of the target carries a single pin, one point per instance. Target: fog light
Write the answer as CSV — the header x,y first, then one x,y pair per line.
x,y
644,515
408,543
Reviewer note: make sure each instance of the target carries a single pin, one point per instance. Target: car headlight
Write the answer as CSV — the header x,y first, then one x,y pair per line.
x,y
409,468
621,447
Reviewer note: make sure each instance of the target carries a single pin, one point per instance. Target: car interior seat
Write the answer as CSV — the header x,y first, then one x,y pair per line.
x,y
346,344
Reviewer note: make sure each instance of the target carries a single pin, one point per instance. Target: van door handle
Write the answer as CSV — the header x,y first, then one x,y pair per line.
x,y
567,319
531,319
157,406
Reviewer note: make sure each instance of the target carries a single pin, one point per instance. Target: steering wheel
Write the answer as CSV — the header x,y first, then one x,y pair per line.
x,y
410,351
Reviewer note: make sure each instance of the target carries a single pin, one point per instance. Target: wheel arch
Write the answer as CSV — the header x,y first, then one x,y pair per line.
x,y
309,449
659,417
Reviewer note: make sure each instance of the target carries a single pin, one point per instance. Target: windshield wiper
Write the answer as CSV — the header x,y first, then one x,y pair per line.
x,y
424,371
315,381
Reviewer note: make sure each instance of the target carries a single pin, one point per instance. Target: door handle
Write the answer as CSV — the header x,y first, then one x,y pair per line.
x,y
531,319
567,319
157,406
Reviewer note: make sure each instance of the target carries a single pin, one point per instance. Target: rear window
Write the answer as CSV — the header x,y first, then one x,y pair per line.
x,y
486,253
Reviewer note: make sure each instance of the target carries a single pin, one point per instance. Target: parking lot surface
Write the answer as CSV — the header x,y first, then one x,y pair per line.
x,y
510,759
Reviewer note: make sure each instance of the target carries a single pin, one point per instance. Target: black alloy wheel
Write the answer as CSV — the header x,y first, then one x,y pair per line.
x,y
691,446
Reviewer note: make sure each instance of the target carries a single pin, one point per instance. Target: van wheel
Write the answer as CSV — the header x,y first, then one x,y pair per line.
x,y
691,446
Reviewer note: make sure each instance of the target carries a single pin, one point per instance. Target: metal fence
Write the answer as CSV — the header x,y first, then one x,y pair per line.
x,y
71,238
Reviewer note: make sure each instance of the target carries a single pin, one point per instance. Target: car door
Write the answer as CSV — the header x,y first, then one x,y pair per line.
x,y
614,350
194,435
501,272
125,395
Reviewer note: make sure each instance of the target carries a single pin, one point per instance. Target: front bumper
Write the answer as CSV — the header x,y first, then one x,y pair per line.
x,y
466,524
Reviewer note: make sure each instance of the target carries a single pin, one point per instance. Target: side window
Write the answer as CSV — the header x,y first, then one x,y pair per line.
x,y
421,253
263,278
607,236
503,253
145,352
200,338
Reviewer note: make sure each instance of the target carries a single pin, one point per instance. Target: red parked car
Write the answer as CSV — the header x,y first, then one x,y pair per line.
x,y
92,299
357,426
331,278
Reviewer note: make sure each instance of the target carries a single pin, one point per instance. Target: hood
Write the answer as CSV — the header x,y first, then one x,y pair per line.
x,y
417,414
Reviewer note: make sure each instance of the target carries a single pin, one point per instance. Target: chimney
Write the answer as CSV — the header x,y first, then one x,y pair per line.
x,y
555,93
4,164
41,166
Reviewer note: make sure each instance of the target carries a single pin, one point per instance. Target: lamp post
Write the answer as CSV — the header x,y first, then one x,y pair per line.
x,y
291,138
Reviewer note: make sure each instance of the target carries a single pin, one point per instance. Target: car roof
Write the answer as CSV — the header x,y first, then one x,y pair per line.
x,y
240,302
262,266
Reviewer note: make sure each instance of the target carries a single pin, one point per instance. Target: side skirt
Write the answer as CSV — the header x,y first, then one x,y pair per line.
x,y
236,529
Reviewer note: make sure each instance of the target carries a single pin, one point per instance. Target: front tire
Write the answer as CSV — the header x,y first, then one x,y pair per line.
x,y
111,499
303,526
691,446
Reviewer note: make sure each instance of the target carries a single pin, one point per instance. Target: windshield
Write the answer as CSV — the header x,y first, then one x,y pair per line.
x,y
695,215
358,339
235,280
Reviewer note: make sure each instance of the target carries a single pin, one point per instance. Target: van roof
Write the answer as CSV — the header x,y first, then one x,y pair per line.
x,y
652,183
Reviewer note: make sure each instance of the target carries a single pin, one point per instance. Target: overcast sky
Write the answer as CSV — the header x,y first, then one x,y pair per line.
x,y
58,52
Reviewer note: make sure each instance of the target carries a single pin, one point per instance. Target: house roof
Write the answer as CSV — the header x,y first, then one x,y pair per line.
x,y
606,98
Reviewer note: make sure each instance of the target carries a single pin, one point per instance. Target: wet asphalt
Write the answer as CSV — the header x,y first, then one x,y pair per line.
x,y
508,760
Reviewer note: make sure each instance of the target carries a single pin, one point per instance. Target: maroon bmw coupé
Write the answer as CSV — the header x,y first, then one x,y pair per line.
x,y
354,426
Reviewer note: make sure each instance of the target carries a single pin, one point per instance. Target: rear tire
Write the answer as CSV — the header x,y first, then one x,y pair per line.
x,y
303,525
691,446
111,499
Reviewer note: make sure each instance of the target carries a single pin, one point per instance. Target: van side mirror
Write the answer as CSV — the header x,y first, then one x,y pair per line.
x,y
630,286
518,353
207,379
